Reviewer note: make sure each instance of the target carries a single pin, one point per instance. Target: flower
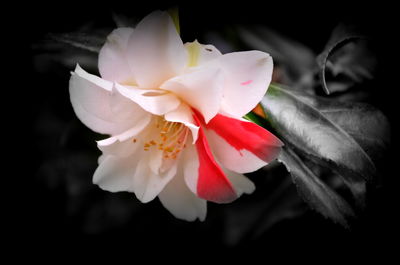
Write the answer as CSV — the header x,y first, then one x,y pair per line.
x,y
174,112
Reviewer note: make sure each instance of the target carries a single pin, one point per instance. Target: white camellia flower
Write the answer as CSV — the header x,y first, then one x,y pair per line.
x,y
174,113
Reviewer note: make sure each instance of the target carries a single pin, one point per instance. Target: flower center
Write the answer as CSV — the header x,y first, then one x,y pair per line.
x,y
168,137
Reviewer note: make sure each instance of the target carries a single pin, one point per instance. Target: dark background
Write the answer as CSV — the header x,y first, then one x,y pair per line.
x,y
58,210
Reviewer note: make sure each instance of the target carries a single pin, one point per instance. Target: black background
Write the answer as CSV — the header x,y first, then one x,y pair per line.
x,y
38,213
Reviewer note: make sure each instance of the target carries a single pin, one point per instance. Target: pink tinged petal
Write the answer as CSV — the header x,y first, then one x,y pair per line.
x,y
241,183
247,77
201,90
113,63
115,174
244,137
181,202
146,184
248,82
212,184
241,161
183,114
156,52
157,102
94,101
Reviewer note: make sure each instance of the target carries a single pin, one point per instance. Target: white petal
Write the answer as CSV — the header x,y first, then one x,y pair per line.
x,y
201,89
156,52
155,160
157,102
101,158
115,174
199,54
104,84
181,202
240,182
123,145
247,77
146,184
184,115
94,101
113,63
241,161
191,167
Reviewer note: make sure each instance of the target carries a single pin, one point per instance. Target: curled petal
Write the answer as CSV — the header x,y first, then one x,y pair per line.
x,y
183,114
157,102
93,100
124,144
113,63
156,52
201,89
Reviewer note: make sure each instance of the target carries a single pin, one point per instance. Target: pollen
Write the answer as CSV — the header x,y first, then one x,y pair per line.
x,y
169,150
167,137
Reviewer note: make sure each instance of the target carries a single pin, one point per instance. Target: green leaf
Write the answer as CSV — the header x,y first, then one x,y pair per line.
x,y
254,118
314,191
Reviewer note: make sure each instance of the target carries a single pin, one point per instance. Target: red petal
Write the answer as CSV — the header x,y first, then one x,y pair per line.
x,y
212,184
246,135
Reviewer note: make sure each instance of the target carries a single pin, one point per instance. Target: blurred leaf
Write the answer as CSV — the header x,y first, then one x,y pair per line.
x,y
309,130
348,58
366,124
68,172
274,200
122,21
86,41
335,135
50,61
317,194
68,49
296,60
